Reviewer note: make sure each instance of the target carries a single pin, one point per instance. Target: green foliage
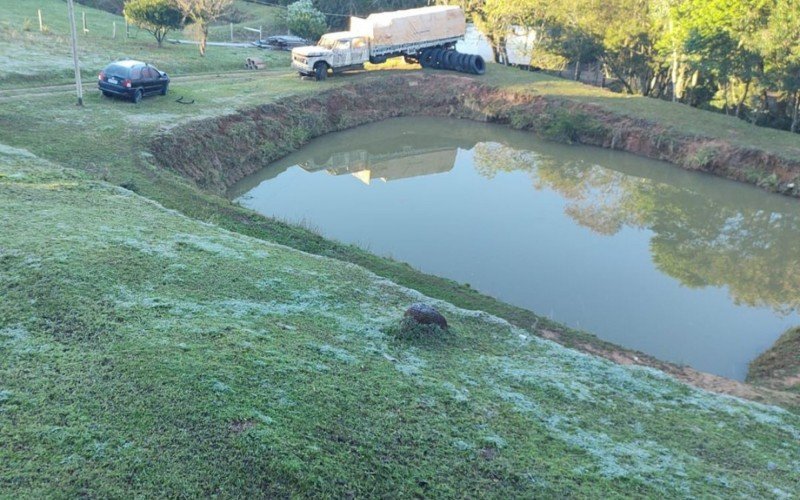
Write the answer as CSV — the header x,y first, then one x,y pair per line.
x,y
202,13
560,124
702,156
305,21
409,329
721,54
157,17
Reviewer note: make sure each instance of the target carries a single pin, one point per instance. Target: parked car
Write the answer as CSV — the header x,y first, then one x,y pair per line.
x,y
281,42
132,79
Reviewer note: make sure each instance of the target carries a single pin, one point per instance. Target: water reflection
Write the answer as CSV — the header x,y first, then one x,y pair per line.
x,y
399,164
687,267
749,243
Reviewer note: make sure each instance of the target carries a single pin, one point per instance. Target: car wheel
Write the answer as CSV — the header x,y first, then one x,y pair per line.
x,y
107,93
164,89
137,96
320,71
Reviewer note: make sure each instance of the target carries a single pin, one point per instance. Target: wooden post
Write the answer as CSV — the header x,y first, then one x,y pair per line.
x,y
127,29
114,30
83,15
74,36
41,24
231,32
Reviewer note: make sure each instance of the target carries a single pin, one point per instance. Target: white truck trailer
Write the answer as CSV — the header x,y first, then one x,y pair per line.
x,y
427,35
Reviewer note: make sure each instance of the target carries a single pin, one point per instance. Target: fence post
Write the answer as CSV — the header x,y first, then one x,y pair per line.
x,y
83,15
114,30
231,32
127,29
41,25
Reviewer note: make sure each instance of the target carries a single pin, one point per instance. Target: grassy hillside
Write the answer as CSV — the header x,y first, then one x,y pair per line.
x,y
149,350
145,352
28,56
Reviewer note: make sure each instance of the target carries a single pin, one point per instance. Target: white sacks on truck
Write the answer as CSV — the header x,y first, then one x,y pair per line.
x,y
411,26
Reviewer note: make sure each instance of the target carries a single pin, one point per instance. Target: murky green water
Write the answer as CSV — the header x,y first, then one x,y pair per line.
x,y
684,266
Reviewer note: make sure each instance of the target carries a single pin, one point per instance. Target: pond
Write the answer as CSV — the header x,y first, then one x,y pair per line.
x,y
684,266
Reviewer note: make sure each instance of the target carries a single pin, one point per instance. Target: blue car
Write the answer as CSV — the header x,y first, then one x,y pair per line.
x,y
132,79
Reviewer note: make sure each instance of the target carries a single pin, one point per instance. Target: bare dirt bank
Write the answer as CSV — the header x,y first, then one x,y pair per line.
x,y
217,152
779,366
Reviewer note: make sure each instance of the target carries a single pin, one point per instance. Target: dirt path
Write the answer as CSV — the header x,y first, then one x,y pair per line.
x,y
89,86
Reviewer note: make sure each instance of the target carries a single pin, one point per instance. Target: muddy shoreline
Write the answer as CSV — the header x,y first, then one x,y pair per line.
x,y
217,152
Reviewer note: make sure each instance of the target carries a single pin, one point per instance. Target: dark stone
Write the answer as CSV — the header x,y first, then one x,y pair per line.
x,y
426,315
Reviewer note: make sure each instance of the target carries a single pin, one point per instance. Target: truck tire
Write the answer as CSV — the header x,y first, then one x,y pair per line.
x,y
461,63
440,53
476,65
433,57
448,60
320,71
425,58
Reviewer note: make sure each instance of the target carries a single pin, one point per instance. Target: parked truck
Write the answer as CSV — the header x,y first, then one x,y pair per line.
x,y
427,35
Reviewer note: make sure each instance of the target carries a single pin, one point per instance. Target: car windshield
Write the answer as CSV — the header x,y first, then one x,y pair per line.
x,y
327,43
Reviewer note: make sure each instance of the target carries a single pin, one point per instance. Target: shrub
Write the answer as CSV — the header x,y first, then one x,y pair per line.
x,y
305,21
158,17
409,329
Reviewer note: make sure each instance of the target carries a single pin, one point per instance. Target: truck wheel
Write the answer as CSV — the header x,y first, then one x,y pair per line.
x,y
320,71
426,58
440,58
476,65
433,54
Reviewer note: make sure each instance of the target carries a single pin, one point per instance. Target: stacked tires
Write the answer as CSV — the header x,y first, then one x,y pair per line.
x,y
452,60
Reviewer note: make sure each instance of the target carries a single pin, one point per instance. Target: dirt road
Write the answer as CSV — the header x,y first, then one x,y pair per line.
x,y
90,87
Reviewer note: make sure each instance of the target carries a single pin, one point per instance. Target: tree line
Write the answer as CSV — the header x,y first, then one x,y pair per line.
x,y
741,57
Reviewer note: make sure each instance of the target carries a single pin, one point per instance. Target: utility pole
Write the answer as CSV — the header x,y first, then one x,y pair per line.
x,y
73,32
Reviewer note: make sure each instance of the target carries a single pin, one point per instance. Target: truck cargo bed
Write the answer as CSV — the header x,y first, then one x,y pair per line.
x,y
404,27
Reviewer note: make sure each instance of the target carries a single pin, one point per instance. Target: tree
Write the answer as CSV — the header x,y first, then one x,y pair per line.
x,y
305,21
157,17
202,13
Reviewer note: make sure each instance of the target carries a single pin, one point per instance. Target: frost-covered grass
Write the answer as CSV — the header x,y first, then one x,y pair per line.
x,y
28,56
145,353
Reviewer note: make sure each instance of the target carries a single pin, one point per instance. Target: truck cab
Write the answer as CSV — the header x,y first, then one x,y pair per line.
x,y
336,51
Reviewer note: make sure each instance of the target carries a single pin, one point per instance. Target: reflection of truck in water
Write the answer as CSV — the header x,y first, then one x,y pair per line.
x,y
427,35
401,164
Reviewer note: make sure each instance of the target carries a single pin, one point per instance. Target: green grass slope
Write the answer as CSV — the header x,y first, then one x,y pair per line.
x,y
145,353
31,57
